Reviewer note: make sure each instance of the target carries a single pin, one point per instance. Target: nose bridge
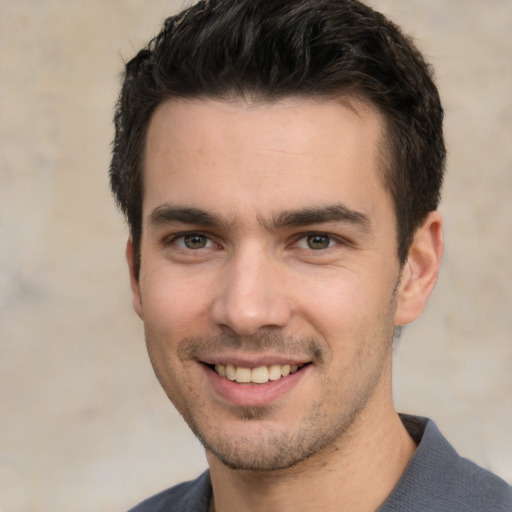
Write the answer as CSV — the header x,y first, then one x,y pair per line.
x,y
251,295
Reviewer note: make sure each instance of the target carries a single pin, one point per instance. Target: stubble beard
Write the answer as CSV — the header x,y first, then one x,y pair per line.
x,y
267,448
276,450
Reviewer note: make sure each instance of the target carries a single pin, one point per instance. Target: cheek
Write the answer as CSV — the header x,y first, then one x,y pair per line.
x,y
173,304
345,305
331,298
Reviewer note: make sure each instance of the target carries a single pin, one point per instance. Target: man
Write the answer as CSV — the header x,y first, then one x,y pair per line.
x,y
279,164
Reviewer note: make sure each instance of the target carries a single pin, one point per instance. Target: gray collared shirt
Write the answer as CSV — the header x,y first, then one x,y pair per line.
x,y
436,479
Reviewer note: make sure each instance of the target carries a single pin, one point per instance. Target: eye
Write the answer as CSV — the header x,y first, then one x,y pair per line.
x,y
193,241
316,242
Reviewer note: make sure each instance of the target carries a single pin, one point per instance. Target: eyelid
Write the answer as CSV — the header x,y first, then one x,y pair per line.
x,y
211,239
172,239
333,240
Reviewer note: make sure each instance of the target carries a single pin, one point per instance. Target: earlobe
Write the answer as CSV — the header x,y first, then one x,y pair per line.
x,y
134,279
420,272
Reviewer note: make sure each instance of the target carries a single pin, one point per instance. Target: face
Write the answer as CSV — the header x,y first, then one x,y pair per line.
x,y
269,275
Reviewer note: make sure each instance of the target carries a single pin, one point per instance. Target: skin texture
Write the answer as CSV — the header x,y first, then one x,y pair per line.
x,y
230,273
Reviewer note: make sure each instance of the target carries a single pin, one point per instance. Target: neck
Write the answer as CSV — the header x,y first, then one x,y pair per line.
x,y
355,474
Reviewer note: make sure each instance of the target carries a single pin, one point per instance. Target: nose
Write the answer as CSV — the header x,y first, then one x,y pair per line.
x,y
251,295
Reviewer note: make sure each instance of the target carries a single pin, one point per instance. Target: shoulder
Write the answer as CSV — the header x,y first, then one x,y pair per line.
x,y
193,496
482,487
438,479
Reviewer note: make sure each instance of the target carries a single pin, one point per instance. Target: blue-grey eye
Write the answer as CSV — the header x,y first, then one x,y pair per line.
x,y
318,242
195,241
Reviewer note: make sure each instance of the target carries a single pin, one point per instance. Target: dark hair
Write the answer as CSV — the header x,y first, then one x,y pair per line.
x,y
270,49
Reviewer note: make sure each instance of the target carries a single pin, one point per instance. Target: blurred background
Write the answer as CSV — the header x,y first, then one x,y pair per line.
x,y
84,426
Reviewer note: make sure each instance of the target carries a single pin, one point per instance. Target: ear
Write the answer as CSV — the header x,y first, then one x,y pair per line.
x,y
420,271
134,279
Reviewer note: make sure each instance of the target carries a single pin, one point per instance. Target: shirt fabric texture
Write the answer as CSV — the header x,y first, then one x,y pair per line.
x,y
436,479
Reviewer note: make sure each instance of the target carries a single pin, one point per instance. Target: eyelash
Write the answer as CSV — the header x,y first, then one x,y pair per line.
x,y
177,236
332,240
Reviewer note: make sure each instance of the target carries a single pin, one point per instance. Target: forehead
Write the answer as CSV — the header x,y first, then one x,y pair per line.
x,y
290,153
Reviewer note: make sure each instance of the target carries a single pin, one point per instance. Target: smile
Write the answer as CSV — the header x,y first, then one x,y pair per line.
x,y
259,375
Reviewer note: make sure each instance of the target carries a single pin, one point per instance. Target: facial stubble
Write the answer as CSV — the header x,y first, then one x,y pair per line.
x,y
266,447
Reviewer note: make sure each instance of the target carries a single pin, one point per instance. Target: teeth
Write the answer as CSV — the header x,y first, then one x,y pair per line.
x,y
243,374
274,372
230,372
259,375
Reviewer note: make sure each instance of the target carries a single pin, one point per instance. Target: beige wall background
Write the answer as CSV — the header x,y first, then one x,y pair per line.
x,y
84,424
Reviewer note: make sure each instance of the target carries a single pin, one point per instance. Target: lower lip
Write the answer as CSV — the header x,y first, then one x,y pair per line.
x,y
253,395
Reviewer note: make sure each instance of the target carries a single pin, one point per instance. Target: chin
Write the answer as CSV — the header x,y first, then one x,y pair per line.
x,y
267,448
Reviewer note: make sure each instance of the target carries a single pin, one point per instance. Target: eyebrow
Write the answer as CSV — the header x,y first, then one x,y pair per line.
x,y
321,215
168,214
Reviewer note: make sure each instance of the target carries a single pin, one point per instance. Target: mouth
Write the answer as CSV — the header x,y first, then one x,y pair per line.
x,y
259,375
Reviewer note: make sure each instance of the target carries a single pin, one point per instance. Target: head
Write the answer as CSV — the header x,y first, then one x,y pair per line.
x,y
278,163
265,51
